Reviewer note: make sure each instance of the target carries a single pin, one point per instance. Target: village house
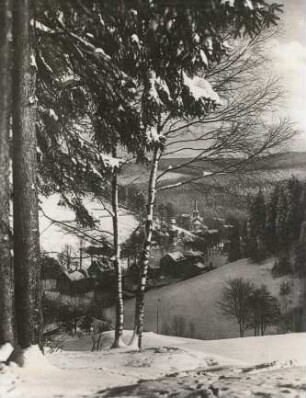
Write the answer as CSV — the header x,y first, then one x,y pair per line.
x,y
177,264
74,283
50,271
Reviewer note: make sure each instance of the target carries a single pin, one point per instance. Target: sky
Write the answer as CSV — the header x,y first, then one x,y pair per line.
x,y
288,53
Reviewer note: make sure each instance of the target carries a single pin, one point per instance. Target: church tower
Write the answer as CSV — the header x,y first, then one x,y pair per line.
x,y
195,212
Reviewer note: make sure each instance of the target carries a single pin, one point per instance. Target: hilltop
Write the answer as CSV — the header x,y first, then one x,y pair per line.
x,y
222,195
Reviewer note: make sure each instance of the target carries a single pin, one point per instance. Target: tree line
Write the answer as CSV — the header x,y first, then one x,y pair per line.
x,y
96,84
276,224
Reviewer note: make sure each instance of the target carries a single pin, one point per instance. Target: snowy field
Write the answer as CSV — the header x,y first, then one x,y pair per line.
x,y
193,301
269,366
54,236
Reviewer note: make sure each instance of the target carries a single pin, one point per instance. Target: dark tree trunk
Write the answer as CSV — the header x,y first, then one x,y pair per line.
x,y
119,293
145,256
241,329
81,254
6,270
25,207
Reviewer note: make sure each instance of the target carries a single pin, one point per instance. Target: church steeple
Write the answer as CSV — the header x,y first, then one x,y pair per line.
x,y
195,212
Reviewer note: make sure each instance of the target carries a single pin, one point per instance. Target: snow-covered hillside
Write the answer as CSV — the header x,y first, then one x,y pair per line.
x,y
194,301
254,366
55,236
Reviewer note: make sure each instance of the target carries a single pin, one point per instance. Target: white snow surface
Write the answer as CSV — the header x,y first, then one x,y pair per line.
x,y
74,371
153,136
75,275
54,236
194,300
230,2
33,359
5,351
201,89
111,163
53,115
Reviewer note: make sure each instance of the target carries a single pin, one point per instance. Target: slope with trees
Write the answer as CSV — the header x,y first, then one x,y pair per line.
x,y
187,102
275,222
130,79
155,58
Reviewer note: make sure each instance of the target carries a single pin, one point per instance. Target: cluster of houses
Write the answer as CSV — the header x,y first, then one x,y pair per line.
x,y
75,280
183,247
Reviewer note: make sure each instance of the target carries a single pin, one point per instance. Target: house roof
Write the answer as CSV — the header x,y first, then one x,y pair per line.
x,y
212,231
177,256
194,253
75,276
199,264
183,231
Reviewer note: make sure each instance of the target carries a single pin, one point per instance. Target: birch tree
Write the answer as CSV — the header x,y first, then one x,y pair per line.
x,y
110,116
183,45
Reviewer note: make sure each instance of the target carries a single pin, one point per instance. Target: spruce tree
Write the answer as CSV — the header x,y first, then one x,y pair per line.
x,y
234,250
25,199
282,230
6,268
257,226
271,232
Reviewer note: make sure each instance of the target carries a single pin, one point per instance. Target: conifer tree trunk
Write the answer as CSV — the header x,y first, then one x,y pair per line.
x,y
6,270
145,256
25,203
118,271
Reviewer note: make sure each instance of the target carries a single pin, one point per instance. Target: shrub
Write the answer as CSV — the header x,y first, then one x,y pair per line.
x,y
294,320
282,265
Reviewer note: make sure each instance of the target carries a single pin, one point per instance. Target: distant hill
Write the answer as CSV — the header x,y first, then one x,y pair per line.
x,y
221,195
289,160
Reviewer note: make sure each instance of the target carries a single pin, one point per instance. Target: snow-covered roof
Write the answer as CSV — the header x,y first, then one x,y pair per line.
x,y
176,256
199,264
154,265
194,253
183,231
75,275
212,231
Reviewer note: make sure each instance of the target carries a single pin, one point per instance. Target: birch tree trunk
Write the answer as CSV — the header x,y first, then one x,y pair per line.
x,y
118,271
25,203
6,270
145,256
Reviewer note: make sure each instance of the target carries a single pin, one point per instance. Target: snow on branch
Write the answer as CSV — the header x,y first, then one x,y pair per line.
x,y
200,88
153,136
157,86
111,163
231,3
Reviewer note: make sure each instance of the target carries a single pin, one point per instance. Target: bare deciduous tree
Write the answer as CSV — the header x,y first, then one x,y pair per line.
x,y
234,302
234,138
